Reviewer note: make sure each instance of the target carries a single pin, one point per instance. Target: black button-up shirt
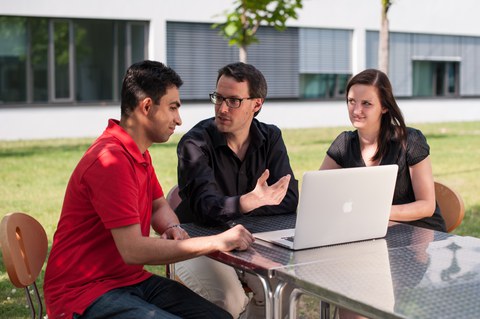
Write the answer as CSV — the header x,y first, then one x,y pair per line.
x,y
212,178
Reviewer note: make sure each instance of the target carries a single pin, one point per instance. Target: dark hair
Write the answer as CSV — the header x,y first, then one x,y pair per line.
x,y
242,72
392,123
146,79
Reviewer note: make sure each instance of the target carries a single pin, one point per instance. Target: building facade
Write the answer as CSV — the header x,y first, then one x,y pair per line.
x,y
55,52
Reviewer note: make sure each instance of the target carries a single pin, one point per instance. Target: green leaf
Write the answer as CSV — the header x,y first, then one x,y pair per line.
x,y
241,22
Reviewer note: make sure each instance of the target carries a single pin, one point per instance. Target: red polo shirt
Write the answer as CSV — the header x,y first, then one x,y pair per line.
x,y
112,186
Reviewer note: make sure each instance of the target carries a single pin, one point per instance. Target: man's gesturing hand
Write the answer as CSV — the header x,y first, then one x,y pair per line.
x,y
265,194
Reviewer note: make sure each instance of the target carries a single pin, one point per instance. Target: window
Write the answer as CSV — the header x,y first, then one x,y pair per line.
x,y
13,56
435,78
325,62
67,60
62,60
323,86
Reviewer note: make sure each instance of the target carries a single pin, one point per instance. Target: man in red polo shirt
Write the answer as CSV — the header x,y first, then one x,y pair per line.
x,y
95,268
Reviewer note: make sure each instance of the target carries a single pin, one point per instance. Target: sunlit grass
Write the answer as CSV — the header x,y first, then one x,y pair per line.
x,y
34,174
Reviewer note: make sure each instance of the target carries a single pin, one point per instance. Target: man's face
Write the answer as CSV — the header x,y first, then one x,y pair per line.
x,y
162,118
235,120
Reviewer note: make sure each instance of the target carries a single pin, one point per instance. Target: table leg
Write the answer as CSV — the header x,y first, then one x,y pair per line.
x,y
293,301
268,297
324,310
170,271
278,300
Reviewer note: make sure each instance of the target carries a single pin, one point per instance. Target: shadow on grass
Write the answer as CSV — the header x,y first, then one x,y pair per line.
x,y
28,151
34,150
439,136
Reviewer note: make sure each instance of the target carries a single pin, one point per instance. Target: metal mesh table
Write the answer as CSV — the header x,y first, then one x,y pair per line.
x,y
262,256
436,279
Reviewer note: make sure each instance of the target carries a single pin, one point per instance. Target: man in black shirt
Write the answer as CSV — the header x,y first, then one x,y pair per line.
x,y
228,166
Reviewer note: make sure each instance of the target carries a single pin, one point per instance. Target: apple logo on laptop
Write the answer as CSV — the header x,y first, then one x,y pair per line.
x,y
347,207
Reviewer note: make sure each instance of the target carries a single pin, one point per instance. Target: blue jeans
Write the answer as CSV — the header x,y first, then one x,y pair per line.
x,y
154,298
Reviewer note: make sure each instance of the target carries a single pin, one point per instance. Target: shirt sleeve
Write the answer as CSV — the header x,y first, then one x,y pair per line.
x,y
205,197
338,148
278,163
157,190
200,193
417,147
113,190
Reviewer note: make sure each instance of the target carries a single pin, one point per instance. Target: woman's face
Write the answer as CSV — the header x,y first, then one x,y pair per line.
x,y
364,107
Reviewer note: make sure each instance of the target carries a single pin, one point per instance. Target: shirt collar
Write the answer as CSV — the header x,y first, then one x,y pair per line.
x,y
115,130
219,139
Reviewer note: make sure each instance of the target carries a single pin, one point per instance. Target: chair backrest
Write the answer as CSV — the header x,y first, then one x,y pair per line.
x,y
451,204
173,198
24,249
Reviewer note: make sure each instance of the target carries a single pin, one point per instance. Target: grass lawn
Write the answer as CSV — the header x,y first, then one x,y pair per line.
x,y
34,174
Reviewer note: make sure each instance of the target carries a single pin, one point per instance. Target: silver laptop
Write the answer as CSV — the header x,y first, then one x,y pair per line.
x,y
339,206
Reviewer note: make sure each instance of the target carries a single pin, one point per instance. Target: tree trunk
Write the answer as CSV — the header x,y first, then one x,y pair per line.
x,y
383,49
243,54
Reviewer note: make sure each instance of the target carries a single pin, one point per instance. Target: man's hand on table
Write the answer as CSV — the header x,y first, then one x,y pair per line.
x,y
237,237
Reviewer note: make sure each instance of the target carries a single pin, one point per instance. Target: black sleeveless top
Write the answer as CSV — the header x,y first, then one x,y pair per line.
x,y
345,150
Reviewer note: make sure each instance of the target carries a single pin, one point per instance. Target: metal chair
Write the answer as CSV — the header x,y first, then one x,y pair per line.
x,y
24,249
451,204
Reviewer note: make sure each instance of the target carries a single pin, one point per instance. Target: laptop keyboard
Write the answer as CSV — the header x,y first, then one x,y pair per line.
x,y
289,238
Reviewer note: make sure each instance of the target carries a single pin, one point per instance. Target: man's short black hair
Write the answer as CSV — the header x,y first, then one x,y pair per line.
x,y
146,79
243,72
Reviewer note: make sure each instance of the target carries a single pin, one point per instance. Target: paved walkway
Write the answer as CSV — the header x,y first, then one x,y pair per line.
x,y
72,121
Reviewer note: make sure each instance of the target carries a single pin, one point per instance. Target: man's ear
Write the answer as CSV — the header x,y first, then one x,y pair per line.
x,y
258,104
145,105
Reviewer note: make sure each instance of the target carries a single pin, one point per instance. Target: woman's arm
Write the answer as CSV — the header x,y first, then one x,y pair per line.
x,y
424,190
329,163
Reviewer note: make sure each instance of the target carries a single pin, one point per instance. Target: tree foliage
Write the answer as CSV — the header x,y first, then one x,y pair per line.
x,y
243,22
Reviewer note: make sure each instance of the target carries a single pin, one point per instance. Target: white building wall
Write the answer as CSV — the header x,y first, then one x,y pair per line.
x,y
419,16
448,17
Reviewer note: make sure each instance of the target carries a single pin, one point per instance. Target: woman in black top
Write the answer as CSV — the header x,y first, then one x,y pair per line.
x,y
381,138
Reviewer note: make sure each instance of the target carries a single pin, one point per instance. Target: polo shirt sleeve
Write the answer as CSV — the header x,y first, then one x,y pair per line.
x,y
157,190
113,189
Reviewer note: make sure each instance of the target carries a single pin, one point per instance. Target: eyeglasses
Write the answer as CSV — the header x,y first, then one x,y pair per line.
x,y
232,102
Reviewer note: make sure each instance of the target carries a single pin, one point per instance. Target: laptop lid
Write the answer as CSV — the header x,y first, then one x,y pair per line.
x,y
340,206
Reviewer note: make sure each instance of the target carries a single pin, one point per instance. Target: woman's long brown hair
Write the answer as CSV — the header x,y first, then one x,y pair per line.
x,y
392,122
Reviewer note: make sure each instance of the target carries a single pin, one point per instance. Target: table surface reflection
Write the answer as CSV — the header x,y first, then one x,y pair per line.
x,y
262,256
411,273
439,279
